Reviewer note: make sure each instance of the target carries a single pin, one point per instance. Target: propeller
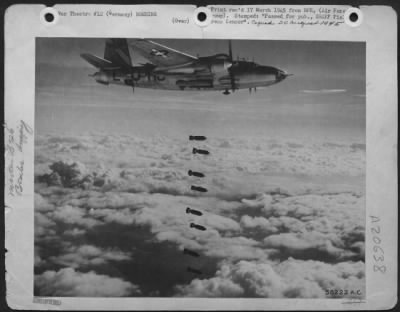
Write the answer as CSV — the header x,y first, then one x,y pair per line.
x,y
133,83
148,68
231,75
230,50
128,60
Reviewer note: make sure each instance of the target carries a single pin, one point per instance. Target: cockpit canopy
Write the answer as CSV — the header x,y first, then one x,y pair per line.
x,y
245,65
242,64
221,56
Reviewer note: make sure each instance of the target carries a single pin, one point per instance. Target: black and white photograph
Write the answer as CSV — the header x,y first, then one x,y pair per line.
x,y
199,168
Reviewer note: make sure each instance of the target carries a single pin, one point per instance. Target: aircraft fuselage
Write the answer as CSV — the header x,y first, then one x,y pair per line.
x,y
194,76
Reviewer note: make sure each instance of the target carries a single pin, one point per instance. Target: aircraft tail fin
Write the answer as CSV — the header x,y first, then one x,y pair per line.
x,y
116,56
117,52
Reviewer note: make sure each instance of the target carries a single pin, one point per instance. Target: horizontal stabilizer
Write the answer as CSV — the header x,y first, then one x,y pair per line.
x,y
98,62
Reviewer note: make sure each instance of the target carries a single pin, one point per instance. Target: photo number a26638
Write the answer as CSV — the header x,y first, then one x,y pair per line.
x,y
378,252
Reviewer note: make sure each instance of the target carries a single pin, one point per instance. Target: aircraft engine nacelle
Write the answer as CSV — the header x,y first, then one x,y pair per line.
x,y
102,77
219,66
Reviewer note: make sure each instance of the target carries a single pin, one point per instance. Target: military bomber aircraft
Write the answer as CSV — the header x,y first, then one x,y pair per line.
x,y
170,69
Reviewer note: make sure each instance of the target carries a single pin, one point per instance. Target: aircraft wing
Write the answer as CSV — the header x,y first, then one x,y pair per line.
x,y
159,54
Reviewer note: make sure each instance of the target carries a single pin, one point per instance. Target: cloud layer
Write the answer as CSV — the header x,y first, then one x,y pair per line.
x,y
325,91
288,279
69,283
282,218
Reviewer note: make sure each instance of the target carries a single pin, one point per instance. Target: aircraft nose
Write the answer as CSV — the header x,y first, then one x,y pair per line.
x,y
281,74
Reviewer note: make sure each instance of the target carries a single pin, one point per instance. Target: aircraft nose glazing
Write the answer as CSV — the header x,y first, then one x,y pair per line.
x,y
280,74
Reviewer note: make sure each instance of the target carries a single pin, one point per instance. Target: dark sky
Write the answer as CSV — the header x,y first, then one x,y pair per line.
x,y
327,89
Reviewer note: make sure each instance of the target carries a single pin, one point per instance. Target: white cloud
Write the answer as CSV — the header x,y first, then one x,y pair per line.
x,y
73,215
290,278
264,200
70,283
220,223
215,287
261,223
325,91
41,203
295,242
88,255
74,232
122,216
44,226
